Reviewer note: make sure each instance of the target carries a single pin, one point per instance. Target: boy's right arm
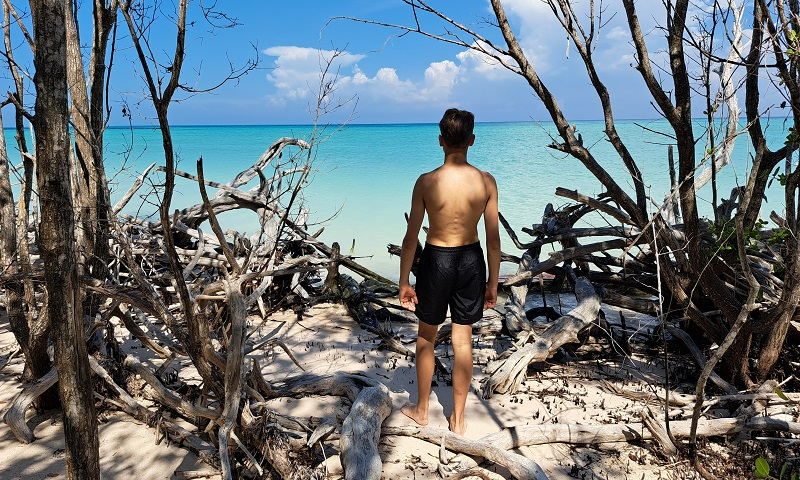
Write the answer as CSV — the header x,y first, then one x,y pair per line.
x,y
408,297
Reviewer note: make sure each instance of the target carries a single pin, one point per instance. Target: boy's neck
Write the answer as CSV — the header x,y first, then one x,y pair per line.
x,y
458,157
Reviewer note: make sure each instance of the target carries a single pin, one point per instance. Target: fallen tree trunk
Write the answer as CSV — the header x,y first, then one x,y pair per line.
x,y
15,415
508,373
563,256
361,432
578,434
519,466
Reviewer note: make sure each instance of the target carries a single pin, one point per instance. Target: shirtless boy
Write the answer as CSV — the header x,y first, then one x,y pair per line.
x,y
452,271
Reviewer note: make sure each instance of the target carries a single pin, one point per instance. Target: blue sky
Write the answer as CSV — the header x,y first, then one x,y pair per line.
x,y
408,79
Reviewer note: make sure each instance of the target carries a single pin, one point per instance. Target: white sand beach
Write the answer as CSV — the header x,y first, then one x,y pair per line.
x,y
327,340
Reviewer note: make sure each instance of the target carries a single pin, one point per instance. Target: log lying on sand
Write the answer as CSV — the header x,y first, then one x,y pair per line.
x,y
15,415
347,385
577,434
519,466
508,372
361,429
496,447
361,432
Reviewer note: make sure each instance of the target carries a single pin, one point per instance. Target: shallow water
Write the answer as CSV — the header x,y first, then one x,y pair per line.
x,y
363,174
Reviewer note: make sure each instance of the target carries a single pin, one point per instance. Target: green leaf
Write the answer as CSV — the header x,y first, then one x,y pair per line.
x,y
783,470
781,395
762,468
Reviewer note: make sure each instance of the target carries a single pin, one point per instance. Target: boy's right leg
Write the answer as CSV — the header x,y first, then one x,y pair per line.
x,y
425,364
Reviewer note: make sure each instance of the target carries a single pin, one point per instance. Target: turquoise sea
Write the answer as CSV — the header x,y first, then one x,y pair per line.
x,y
363,174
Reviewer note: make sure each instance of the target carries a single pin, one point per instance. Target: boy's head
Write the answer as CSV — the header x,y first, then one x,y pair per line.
x,y
456,129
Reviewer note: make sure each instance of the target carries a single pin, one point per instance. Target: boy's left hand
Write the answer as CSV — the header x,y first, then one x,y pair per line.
x,y
408,297
490,297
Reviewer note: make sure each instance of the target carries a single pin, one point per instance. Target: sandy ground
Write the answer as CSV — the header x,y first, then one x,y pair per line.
x,y
326,340
127,447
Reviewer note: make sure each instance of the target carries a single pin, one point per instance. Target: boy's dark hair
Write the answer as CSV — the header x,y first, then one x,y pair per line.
x,y
456,127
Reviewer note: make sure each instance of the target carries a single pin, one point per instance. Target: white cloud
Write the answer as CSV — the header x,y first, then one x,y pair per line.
x,y
297,71
482,64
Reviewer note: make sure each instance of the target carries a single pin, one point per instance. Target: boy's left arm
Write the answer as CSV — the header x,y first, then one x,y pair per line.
x,y
491,220
408,297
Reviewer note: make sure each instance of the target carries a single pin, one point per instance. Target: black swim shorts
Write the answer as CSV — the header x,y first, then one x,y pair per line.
x,y
454,277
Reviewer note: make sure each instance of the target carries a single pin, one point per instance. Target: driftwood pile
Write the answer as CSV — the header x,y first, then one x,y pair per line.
x,y
230,285
615,268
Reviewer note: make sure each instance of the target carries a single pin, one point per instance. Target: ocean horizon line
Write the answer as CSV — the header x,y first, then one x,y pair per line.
x,y
376,124
356,124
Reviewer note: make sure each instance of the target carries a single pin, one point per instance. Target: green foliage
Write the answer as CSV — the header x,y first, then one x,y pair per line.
x,y
725,235
761,468
781,177
779,236
792,138
781,395
793,47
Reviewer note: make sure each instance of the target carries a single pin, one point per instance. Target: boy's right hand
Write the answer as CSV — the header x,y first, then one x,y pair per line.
x,y
408,297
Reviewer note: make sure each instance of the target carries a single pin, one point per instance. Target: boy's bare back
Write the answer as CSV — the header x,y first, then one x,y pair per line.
x,y
455,198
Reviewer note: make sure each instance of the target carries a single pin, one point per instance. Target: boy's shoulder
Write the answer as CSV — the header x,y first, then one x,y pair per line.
x,y
486,175
427,176
489,180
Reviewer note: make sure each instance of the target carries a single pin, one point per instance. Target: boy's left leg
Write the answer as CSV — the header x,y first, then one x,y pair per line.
x,y
461,338
426,336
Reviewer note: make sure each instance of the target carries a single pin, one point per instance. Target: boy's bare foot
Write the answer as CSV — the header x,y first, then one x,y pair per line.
x,y
413,412
457,426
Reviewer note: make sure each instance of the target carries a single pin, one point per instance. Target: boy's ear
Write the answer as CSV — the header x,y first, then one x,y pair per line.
x,y
441,141
471,140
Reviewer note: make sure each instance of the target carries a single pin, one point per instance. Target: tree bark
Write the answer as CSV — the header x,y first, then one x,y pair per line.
x,y
8,252
237,311
90,186
37,361
57,233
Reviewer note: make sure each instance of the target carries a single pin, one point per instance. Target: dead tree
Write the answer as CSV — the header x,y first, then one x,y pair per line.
x,y
33,331
57,239
87,114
